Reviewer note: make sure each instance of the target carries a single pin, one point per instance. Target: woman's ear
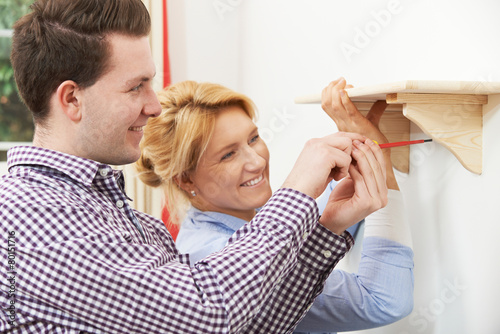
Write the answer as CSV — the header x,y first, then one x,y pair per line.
x,y
68,100
184,182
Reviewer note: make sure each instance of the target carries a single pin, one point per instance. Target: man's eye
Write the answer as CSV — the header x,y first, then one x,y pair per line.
x,y
136,88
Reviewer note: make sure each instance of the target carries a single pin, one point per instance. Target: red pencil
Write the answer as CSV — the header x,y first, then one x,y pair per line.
x,y
404,143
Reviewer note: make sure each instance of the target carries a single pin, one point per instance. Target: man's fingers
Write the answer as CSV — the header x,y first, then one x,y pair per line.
x,y
379,155
342,163
370,167
364,168
359,183
343,140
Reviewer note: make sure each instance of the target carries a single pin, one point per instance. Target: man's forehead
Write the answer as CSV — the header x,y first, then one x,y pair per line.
x,y
131,58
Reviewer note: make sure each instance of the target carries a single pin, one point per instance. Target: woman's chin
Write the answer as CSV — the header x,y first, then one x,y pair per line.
x,y
264,198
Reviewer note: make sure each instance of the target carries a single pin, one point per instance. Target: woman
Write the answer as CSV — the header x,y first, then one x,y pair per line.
x,y
205,151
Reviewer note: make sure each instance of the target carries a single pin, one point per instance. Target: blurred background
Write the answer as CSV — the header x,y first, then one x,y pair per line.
x,y
15,120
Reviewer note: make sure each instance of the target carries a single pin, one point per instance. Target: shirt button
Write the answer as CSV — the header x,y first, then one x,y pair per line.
x,y
119,204
103,172
327,254
305,235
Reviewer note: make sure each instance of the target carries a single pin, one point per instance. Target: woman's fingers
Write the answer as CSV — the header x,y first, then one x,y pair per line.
x,y
348,105
331,100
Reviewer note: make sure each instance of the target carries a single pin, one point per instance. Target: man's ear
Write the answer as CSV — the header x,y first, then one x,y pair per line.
x,y
68,99
184,182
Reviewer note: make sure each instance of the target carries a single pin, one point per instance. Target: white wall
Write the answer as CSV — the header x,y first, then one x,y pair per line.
x,y
275,50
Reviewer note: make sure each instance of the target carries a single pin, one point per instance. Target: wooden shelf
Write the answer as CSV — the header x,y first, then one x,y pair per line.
x,y
450,112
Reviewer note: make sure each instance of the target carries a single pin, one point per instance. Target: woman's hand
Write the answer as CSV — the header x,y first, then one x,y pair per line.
x,y
361,193
339,107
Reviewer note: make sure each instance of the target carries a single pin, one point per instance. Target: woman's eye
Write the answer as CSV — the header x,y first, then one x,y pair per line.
x,y
254,139
227,156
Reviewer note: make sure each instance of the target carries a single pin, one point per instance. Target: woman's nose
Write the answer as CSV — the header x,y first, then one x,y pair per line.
x,y
254,161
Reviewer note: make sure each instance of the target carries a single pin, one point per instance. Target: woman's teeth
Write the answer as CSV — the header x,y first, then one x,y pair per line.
x,y
253,182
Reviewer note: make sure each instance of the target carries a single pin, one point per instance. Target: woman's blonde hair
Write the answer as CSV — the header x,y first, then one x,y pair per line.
x,y
174,142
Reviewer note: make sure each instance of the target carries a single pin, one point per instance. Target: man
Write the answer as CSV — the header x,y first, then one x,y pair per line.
x,y
81,260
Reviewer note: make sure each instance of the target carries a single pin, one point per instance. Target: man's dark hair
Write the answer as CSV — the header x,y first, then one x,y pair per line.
x,y
63,40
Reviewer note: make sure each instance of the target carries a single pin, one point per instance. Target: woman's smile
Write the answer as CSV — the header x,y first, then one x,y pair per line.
x,y
253,182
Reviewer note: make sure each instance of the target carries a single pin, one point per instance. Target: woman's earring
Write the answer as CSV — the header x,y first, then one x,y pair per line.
x,y
193,193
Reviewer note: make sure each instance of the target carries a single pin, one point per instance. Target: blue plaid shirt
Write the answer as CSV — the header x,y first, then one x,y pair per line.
x,y
84,261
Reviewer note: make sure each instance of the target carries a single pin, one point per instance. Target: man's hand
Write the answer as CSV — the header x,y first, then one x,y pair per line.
x,y
361,193
320,161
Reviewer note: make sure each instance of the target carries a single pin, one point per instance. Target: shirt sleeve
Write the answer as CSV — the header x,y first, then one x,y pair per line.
x,y
381,292
107,281
321,252
390,222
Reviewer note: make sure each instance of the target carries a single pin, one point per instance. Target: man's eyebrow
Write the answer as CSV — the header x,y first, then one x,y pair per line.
x,y
135,80
142,78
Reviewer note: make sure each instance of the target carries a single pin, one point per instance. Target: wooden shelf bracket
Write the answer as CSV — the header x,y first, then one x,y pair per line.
x,y
455,121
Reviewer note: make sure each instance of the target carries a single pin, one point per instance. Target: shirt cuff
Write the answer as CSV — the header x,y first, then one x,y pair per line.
x,y
390,222
322,248
388,251
289,214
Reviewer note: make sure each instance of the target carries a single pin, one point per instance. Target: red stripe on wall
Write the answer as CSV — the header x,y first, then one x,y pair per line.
x,y
166,59
165,215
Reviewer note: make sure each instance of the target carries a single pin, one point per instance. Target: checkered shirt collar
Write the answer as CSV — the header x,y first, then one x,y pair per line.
x,y
79,169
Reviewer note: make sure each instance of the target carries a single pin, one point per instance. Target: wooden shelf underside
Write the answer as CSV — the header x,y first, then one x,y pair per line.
x,y
449,112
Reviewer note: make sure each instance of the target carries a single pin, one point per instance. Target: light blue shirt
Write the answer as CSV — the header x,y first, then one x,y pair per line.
x,y
380,293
